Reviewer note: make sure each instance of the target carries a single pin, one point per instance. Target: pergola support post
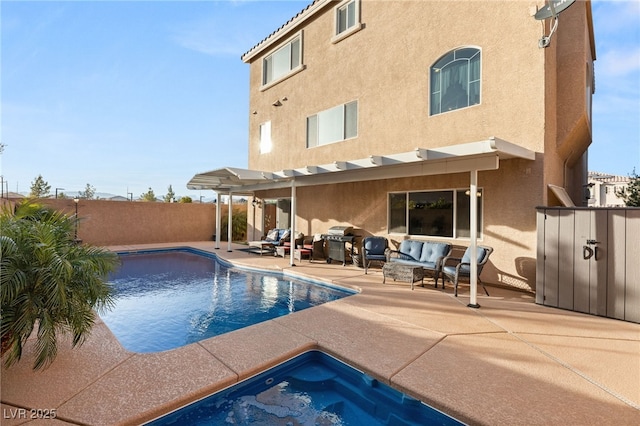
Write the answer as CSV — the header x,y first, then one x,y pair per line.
x,y
229,223
292,248
218,220
473,234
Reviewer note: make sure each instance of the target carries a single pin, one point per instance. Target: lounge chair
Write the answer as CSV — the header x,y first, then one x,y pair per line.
x,y
454,268
374,250
275,237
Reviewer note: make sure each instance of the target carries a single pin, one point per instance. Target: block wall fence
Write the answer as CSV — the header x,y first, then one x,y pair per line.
x,y
104,222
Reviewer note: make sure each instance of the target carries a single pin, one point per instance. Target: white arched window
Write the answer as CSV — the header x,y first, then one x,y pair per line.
x,y
455,80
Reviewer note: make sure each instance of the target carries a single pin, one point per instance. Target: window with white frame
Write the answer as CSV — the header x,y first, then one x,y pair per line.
x,y
283,61
433,213
455,80
347,15
265,138
333,125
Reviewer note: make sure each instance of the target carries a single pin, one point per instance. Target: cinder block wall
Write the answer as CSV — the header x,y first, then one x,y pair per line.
x,y
106,223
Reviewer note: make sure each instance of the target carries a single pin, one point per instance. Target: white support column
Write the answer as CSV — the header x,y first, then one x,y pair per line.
x,y
218,217
230,222
473,234
293,224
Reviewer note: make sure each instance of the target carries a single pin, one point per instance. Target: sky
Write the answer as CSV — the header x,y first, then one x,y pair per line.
x,y
127,96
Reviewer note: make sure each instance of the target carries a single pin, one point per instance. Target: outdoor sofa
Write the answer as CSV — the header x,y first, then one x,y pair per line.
x,y
427,254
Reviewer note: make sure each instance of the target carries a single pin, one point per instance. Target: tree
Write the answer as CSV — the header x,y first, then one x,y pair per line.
x,y
39,188
170,197
48,282
88,193
185,199
631,194
148,196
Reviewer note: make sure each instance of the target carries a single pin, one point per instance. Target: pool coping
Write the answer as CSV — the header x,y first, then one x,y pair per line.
x,y
507,361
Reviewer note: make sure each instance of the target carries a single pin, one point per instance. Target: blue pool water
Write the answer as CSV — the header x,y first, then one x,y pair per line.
x,y
311,389
171,298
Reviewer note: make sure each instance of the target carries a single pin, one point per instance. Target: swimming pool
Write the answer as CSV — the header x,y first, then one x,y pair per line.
x,y
170,298
311,389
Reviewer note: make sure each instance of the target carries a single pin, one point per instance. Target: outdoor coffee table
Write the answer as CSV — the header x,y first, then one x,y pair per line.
x,y
264,246
402,272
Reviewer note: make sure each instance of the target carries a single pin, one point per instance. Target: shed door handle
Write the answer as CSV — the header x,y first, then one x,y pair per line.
x,y
587,252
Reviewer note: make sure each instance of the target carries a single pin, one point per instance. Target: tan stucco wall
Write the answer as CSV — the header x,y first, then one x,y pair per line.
x,y
568,123
385,66
509,217
105,223
530,96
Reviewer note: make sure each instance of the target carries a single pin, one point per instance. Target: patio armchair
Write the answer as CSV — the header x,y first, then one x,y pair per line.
x,y
374,250
285,244
455,269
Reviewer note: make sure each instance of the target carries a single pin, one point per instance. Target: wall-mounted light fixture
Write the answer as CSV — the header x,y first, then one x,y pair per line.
x,y
277,103
478,194
256,202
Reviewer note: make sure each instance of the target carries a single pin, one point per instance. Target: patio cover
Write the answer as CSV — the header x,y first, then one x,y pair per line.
x,y
468,157
482,155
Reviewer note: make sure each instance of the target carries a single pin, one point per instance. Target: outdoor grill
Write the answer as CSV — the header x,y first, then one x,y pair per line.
x,y
336,240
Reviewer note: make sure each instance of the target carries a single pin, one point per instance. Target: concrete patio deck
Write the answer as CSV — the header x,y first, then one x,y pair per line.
x,y
511,362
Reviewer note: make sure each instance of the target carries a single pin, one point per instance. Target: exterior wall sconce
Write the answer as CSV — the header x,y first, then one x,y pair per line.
x,y
478,194
256,202
277,103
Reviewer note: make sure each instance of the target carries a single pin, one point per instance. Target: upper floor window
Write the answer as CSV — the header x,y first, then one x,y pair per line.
x,y
347,15
283,61
455,80
333,125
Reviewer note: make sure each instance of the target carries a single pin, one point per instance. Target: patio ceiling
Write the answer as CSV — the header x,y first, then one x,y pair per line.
x,y
481,155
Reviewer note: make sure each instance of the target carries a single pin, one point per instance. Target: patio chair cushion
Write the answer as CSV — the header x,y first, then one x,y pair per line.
x,y
422,253
273,235
374,248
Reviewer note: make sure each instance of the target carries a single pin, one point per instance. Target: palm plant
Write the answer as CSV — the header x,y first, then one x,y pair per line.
x,y
48,282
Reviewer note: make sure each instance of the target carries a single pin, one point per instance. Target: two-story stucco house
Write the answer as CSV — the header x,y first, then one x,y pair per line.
x,y
391,116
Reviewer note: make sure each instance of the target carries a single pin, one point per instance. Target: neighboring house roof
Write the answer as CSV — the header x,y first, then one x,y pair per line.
x,y
12,195
481,155
608,178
